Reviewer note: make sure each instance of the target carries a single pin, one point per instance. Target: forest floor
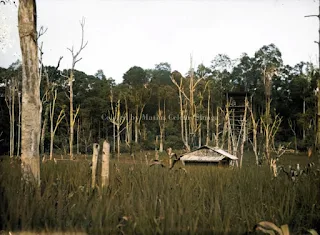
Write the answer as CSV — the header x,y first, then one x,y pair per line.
x,y
153,200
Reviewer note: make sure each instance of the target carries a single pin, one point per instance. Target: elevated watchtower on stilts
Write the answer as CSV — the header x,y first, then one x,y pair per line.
x,y
236,102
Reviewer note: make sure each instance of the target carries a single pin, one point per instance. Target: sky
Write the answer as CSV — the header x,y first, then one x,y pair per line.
x,y
122,34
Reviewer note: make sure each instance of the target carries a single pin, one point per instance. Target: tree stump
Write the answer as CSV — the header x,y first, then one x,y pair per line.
x,y
105,164
96,148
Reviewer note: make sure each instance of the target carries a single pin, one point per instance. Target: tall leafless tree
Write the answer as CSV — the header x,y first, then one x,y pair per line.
x,y
75,60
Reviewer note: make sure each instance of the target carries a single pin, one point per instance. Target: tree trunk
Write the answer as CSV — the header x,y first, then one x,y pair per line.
x,y
95,155
78,137
19,125
44,128
244,132
162,123
105,164
267,131
217,129
144,136
12,122
161,142
200,136
31,104
71,117
128,137
118,141
208,121
114,137
130,130
59,119
303,127
136,128
318,111
186,127
254,136
51,139
51,127
10,104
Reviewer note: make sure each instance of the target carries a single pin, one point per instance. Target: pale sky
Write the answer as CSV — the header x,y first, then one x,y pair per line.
x,y
122,34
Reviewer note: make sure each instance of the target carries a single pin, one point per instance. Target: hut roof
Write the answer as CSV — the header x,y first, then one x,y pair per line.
x,y
207,154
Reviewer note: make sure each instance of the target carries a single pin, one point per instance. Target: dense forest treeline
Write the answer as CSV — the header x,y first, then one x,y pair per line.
x,y
144,110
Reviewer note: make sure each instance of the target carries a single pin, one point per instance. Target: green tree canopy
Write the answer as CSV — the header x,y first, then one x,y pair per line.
x,y
135,76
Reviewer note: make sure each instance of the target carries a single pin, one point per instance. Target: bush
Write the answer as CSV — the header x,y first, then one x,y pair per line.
x,y
173,142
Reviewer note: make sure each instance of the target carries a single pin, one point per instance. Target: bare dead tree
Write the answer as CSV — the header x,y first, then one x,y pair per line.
x,y
140,103
162,123
268,73
128,124
187,105
75,60
53,127
270,130
225,127
46,100
208,119
181,101
254,141
243,131
217,127
19,123
117,119
10,93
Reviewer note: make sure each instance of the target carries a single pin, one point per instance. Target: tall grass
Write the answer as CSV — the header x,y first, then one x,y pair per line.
x,y
149,200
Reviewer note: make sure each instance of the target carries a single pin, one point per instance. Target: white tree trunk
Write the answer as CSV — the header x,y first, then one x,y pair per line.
x,y
95,156
200,136
118,141
78,137
59,119
161,142
105,164
244,132
217,129
208,121
114,136
19,125
136,127
71,121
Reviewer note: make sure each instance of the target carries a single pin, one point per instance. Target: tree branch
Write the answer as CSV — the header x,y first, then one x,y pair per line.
x,y
82,45
312,16
58,65
41,32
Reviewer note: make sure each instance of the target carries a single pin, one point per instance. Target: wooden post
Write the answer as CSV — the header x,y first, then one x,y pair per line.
x,y
105,164
96,148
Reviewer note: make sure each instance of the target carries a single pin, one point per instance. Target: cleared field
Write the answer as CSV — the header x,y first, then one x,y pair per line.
x,y
152,200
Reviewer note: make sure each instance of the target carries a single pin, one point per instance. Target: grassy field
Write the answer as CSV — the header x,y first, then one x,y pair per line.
x,y
152,200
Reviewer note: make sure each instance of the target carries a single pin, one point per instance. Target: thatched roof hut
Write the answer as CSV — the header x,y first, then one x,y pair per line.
x,y
208,155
